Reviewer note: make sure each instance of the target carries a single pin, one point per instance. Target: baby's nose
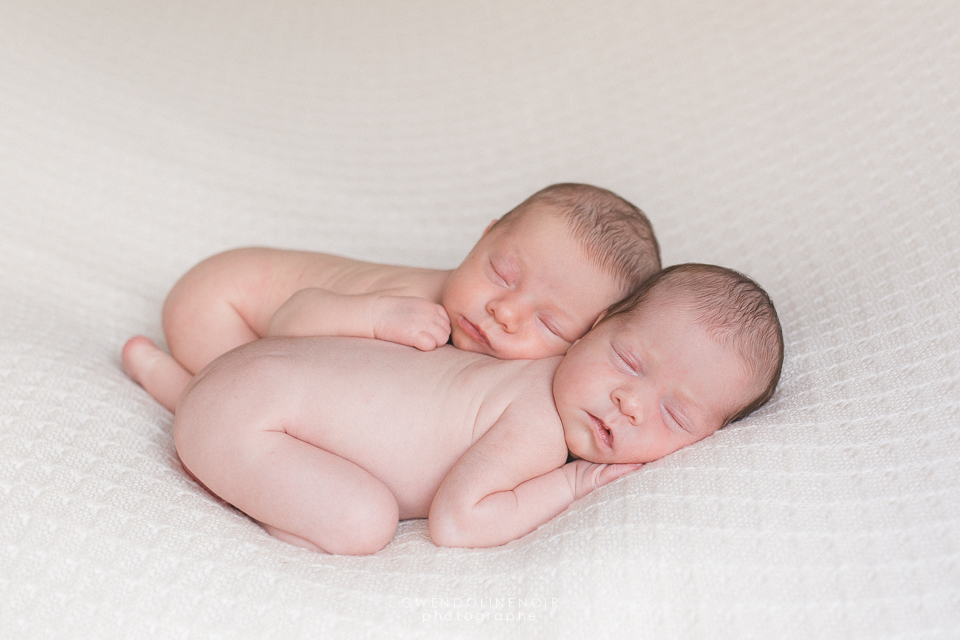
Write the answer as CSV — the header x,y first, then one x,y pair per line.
x,y
631,406
508,312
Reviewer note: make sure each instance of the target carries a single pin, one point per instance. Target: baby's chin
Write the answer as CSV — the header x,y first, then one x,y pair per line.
x,y
575,452
464,343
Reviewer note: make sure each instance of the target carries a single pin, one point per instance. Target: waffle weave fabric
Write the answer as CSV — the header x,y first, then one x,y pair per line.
x,y
813,145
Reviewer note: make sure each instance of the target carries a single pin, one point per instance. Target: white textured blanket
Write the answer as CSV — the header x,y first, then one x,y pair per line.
x,y
813,145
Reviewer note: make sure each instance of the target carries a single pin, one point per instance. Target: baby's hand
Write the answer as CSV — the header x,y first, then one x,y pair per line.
x,y
585,476
415,322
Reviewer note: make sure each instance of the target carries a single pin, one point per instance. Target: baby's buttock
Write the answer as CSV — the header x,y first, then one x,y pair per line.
x,y
404,416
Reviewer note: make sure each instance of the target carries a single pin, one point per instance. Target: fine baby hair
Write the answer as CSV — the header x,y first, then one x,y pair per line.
x,y
733,309
616,234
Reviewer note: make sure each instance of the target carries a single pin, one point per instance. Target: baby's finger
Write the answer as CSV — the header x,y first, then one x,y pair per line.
x,y
444,323
439,328
425,341
613,471
441,336
441,332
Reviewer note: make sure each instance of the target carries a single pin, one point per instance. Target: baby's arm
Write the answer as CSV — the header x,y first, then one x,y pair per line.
x,y
415,322
509,483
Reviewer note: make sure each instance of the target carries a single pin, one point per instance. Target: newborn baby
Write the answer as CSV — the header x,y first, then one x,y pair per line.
x,y
329,442
534,283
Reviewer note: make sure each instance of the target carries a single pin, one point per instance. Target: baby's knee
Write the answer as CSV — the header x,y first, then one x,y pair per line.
x,y
369,524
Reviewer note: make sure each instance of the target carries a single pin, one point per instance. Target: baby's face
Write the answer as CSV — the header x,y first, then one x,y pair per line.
x,y
639,389
527,290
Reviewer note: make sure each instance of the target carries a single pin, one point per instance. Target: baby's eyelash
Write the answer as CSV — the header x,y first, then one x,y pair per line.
x,y
674,419
627,363
504,272
552,328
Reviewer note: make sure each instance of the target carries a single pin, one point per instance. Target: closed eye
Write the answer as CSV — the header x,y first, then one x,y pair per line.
x,y
501,275
671,419
626,362
552,328
497,276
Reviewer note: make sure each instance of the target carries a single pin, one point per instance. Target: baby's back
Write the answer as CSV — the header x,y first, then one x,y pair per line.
x,y
403,415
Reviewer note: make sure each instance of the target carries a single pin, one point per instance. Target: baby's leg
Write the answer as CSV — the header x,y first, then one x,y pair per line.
x,y
217,306
318,497
201,330
300,493
155,370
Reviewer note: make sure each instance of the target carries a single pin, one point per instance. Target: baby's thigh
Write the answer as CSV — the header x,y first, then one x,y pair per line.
x,y
257,389
231,433
220,416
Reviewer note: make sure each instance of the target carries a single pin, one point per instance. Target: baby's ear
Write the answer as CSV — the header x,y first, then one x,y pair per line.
x,y
490,226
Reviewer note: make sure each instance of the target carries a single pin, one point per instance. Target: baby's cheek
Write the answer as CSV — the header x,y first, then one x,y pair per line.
x,y
538,349
563,349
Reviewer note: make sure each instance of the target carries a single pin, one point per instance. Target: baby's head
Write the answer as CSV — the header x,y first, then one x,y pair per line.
x,y
541,275
693,349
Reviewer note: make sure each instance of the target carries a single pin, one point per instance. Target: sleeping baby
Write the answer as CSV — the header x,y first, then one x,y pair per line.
x,y
534,283
329,442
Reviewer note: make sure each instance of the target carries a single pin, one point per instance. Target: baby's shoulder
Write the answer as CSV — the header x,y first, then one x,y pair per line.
x,y
502,386
531,422
530,392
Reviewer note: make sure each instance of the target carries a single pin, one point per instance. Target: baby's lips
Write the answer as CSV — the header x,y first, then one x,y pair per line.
x,y
473,331
603,432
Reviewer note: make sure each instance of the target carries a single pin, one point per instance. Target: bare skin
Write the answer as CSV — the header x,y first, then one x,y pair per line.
x,y
329,442
528,290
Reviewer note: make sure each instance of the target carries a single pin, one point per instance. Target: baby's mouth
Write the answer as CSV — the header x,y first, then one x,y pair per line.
x,y
603,433
473,331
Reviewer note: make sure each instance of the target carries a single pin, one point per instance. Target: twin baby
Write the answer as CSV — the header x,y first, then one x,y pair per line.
x,y
574,359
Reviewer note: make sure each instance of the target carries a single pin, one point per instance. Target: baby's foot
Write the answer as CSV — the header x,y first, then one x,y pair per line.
x,y
155,370
138,355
